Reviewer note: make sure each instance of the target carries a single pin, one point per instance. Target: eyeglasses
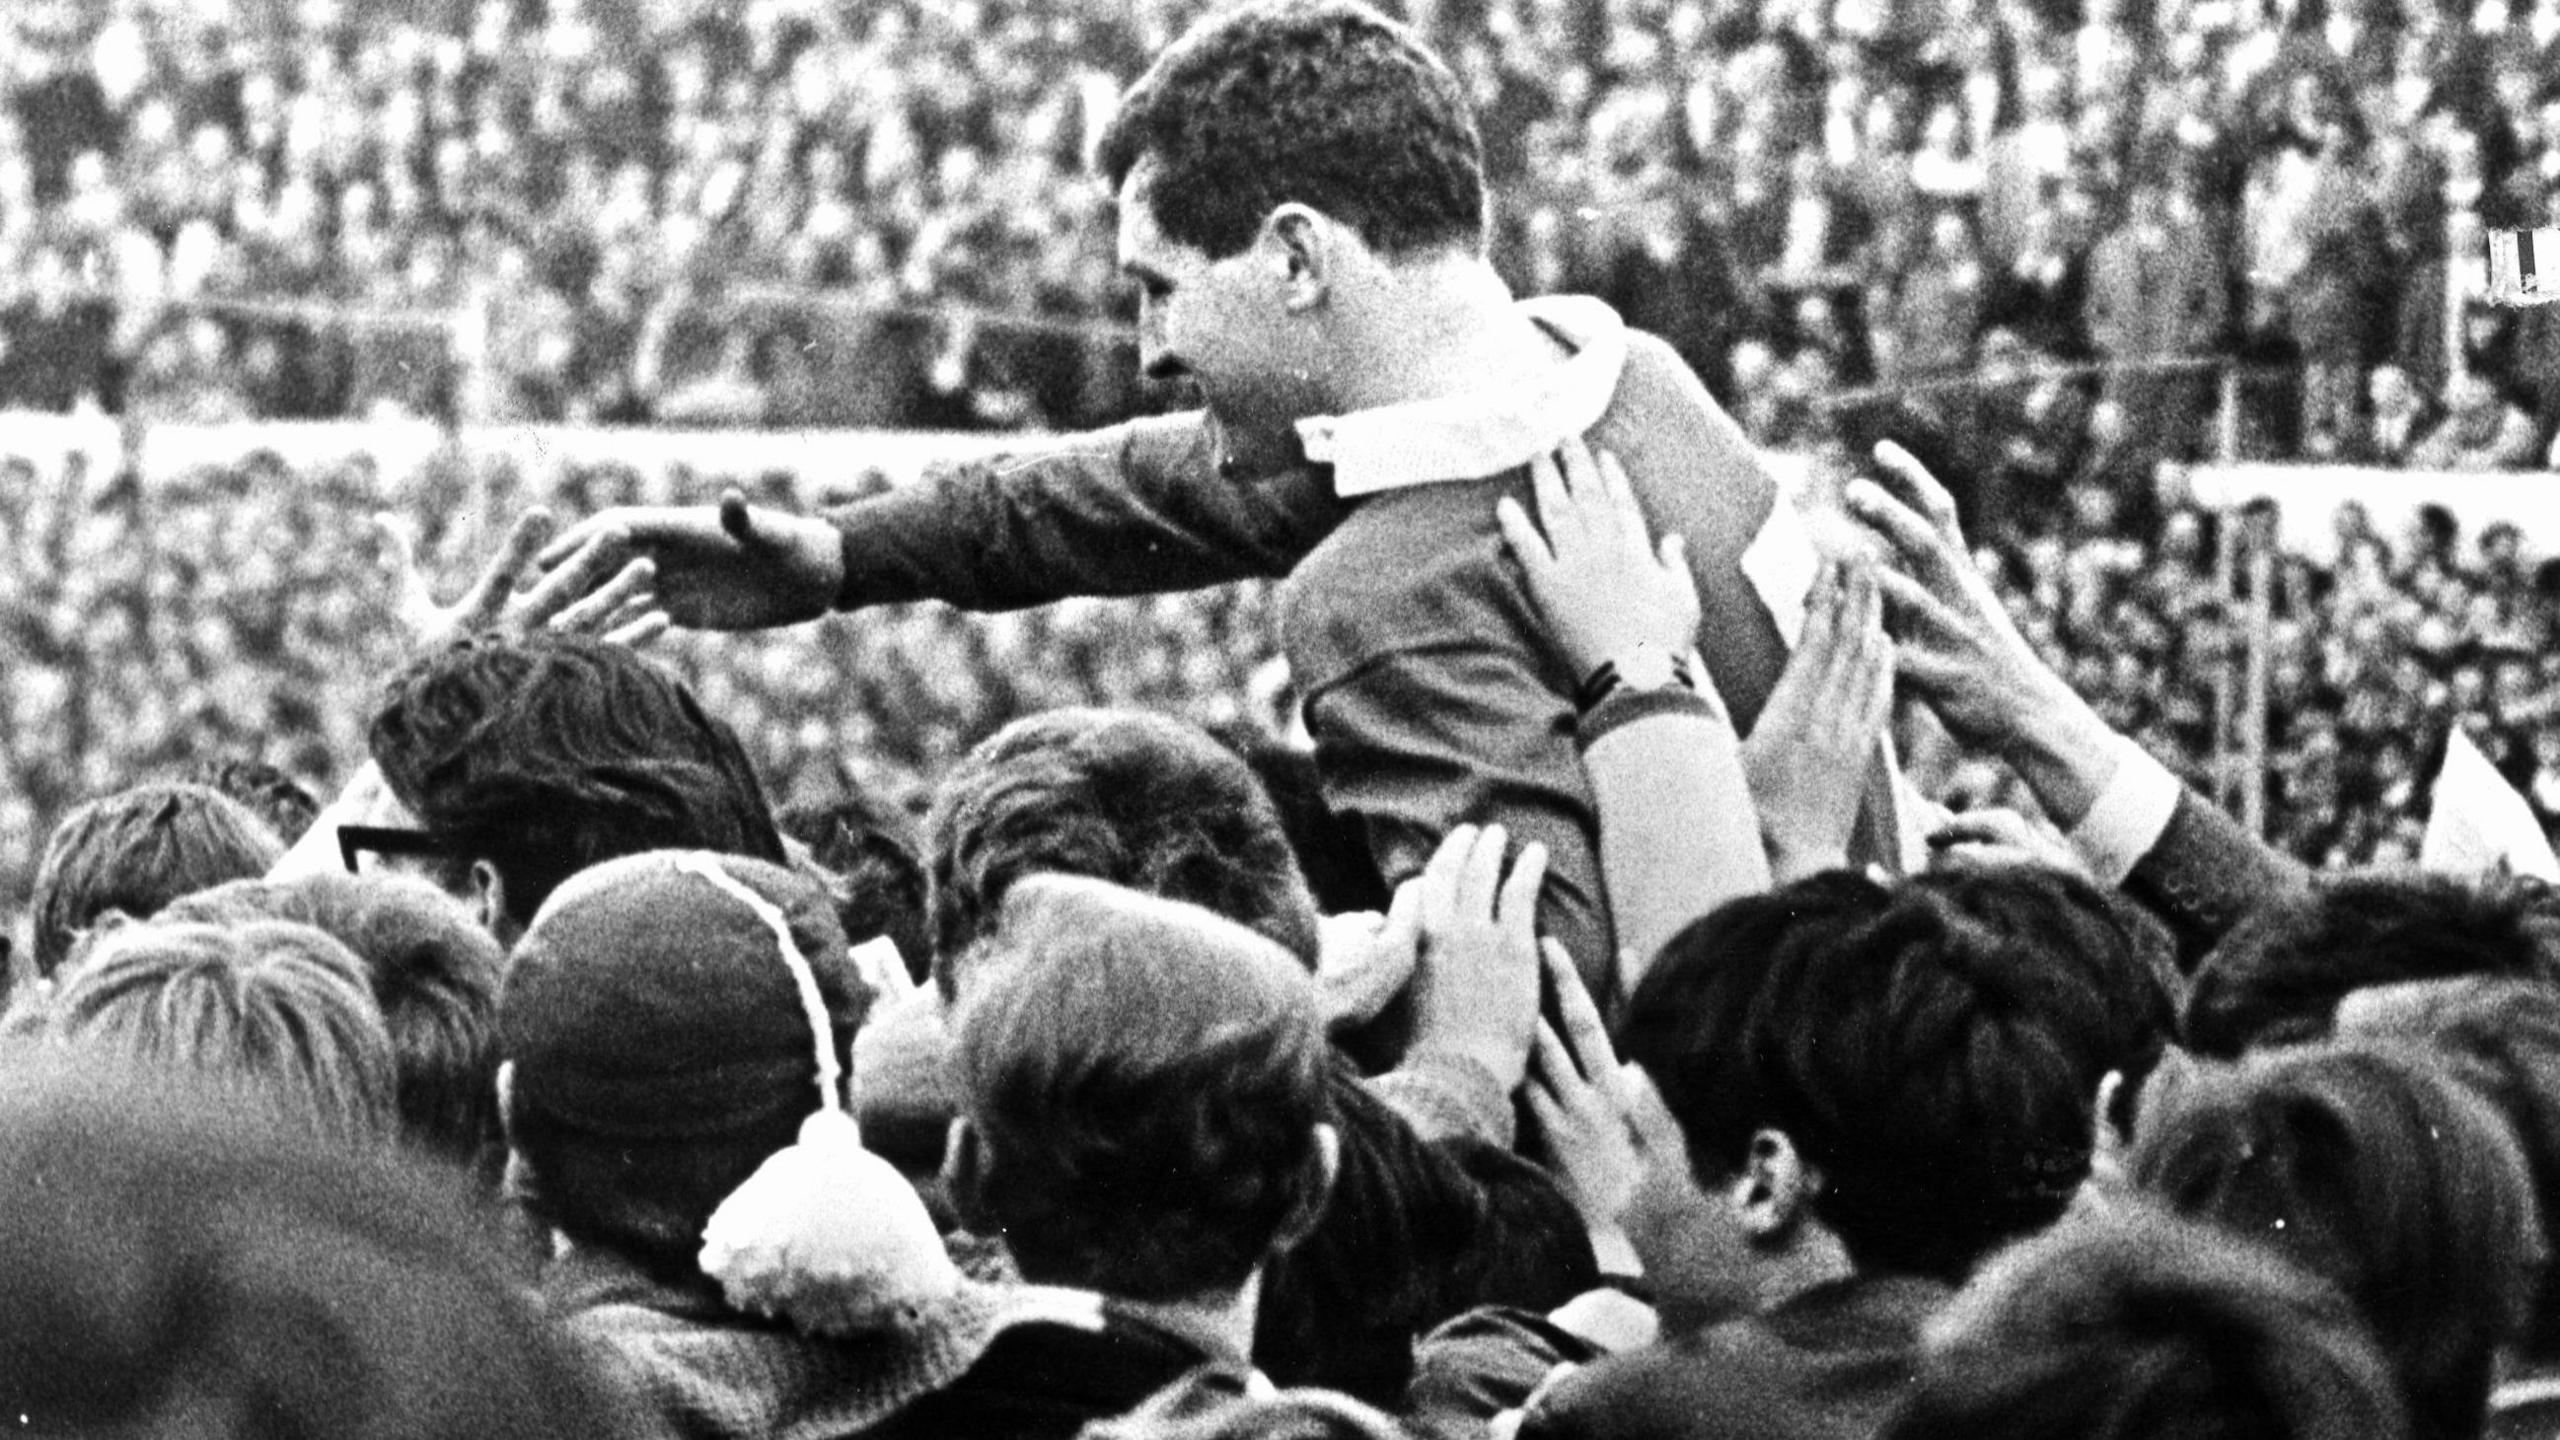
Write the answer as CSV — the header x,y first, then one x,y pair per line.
x,y
355,840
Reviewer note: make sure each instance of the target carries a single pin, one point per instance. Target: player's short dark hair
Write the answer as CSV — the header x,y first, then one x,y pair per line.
x,y
1933,1048
1325,103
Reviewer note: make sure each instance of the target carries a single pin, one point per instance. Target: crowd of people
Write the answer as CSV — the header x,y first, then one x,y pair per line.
x,y
801,214
238,613
1431,895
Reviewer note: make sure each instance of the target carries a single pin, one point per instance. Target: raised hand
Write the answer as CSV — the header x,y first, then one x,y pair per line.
x,y
1601,586
1963,654
1364,960
1807,757
1475,990
732,566
585,595
1578,1096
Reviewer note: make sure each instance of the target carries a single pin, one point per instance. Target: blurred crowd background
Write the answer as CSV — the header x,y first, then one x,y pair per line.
x,y
2078,244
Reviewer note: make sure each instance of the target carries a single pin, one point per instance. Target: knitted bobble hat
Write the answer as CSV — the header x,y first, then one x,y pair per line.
x,y
824,1234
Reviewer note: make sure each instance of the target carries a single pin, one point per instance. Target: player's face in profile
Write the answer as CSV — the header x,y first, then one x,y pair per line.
x,y
1222,325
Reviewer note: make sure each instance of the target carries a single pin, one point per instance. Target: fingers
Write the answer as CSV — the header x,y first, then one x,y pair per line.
x,y
584,574
1555,502
1526,544
619,601
1925,549
505,570
1518,907
1436,889
576,538
641,631
1592,1054
1915,481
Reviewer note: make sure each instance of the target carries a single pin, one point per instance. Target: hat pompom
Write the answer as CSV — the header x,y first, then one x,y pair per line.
x,y
830,1237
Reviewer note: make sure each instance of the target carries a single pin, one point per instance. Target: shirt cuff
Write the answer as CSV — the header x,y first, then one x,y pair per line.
x,y
2129,815
1625,707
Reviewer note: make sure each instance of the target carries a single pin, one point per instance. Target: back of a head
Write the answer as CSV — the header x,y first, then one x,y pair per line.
x,y
2135,1324
659,1045
2503,1038
543,754
1140,800
433,970
866,848
1933,1049
2371,1165
2278,976
173,1268
133,852
1327,103
269,1012
1143,1083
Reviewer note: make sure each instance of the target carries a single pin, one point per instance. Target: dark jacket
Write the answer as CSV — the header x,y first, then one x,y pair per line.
x,y
1830,1364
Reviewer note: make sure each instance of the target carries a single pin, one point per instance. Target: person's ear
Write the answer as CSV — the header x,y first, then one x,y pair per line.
x,y
1315,1189
1776,1188
1299,244
507,1100
965,1174
489,898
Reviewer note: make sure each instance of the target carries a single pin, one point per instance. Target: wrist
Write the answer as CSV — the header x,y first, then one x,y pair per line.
x,y
2063,751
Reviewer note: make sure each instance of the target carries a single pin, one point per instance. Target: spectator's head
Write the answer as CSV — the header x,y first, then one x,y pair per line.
x,y
867,849
270,793
433,972
655,1046
1267,165
2278,975
135,851
172,1267
2503,1037
274,1014
2372,1166
529,758
1216,1403
1143,1094
2136,1324
1907,1073
1139,800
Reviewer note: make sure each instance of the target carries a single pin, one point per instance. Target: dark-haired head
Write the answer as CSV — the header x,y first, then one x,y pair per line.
x,y
2371,1165
1144,1086
1931,1049
1324,103
1140,800
2277,977
539,755
135,851
2135,1324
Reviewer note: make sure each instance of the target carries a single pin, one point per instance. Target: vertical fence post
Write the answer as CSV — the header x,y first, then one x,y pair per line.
x,y
2226,592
